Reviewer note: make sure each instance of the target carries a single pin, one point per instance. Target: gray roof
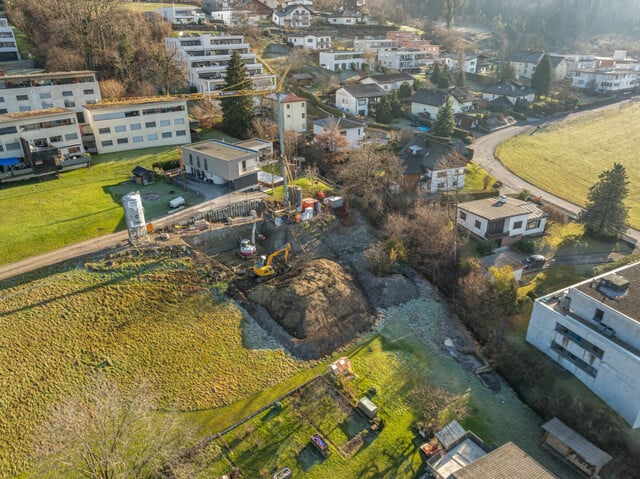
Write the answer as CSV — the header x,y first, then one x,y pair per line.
x,y
431,155
509,88
493,209
290,8
370,90
222,151
506,462
338,122
535,57
392,78
583,448
450,434
439,97
501,102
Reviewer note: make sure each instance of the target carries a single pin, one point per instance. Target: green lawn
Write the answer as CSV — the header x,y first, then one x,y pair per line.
x,y
566,159
42,216
474,179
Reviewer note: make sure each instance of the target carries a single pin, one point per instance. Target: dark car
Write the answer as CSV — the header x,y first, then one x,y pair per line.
x,y
535,261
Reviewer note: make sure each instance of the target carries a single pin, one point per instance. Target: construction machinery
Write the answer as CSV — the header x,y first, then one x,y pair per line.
x,y
248,247
264,268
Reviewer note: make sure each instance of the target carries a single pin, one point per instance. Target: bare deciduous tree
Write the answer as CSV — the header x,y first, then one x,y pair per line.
x,y
112,89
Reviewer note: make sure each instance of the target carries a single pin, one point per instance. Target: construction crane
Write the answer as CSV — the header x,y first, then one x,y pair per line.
x,y
231,92
264,268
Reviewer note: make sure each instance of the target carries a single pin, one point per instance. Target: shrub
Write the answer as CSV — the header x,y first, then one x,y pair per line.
x,y
526,245
166,165
381,262
524,195
555,214
486,247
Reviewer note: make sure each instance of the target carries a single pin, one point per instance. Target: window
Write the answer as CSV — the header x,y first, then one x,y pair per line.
x,y
165,122
25,108
152,137
71,136
56,139
477,224
138,139
120,128
517,225
107,143
198,161
135,126
1,99
122,141
46,104
178,121
181,133
598,315
166,134
533,224
13,146
104,131
206,167
463,215
67,93
22,97
3,111
8,130
44,96
88,91
40,143
150,124
303,115
244,165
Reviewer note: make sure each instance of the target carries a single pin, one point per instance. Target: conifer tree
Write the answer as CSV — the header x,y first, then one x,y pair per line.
x,y
541,79
444,124
237,112
605,214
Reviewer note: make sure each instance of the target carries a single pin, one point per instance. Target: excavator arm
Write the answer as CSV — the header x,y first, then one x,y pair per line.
x,y
263,270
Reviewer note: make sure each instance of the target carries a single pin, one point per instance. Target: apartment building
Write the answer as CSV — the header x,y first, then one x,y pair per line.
x,y
592,329
294,111
182,15
37,91
206,58
8,46
402,58
606,79
51,132
136,124
342,60
374,44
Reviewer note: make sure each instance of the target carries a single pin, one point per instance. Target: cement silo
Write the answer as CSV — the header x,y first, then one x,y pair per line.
x,y
134,216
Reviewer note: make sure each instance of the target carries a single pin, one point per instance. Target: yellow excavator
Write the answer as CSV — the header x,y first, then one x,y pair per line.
x,y
264,268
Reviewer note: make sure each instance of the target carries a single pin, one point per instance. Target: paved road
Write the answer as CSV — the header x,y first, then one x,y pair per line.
x,y
484,155
118,240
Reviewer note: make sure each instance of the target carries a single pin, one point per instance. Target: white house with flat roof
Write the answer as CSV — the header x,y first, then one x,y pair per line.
x,y
37,91
294,111
182,15
137,124
606,79
592,329
38,130
402,58
341,60
8,46
222,163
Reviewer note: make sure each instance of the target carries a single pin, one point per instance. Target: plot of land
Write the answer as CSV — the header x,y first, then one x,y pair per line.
x,y
566,159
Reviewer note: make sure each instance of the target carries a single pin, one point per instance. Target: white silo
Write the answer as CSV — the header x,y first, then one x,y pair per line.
x,y
134,216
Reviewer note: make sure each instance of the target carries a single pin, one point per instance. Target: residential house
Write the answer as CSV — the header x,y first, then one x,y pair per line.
x,y
452,62
206,57
373,44
427,102
310,41
135,124
402,58
294,111
345,18
609,80
222,164
592,330
182,15
353,131
304,79
504,220
342,60
425,46
510,90
525,64
37,91
263,147
466,121
432,166
293,16
247,12
38,135
389,82
8,46
353,5
358,99
402,36
503,258
579,62
460,454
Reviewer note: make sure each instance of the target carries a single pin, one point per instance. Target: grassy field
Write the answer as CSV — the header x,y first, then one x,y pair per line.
x,y
566,159
138,6
81,204
151,317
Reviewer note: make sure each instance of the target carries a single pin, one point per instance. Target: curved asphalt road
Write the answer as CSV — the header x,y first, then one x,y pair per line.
x,y
484,154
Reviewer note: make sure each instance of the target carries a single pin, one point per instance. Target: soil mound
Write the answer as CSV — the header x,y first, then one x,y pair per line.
x,y
322,306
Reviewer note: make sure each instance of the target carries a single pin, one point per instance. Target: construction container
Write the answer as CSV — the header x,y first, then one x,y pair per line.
x,y
308,203
307,214
334,201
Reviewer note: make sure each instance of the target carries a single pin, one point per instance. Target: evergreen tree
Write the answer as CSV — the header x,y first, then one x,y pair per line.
x,y
444,82
396,106
506,71
237,112
383,111
541,79
461,78
405,90
444,124
435,74
605,214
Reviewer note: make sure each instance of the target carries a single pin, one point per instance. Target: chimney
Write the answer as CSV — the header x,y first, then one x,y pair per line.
x,y
502,199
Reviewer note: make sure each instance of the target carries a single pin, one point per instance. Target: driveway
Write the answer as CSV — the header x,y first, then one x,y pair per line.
x,y
208,191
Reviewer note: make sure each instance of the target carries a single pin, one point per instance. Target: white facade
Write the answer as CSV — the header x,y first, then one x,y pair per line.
x,y
358,99
37,91
591,330
8,45
294,111
341,60
206,57
130,126
606,80
503,219
293,16
351,130
402,59
345,19
310,41
182,15
42,129
421,107
450,179
375,44
389,82
470,62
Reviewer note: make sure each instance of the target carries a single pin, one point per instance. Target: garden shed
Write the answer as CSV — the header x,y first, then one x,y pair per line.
x,y
574,448
142,176
367,407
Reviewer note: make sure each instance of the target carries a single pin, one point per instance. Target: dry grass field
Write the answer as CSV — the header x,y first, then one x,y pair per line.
x,y
566,158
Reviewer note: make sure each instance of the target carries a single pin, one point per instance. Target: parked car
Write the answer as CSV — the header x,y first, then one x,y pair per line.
x,y
535,261
283,474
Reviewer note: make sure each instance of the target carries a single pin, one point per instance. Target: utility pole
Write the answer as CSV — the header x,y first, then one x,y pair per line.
x,y
282,155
